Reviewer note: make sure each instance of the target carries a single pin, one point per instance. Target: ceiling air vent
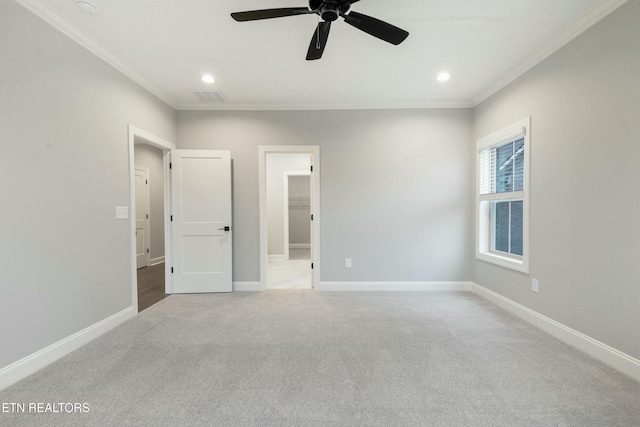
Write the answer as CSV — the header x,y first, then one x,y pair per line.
x,y
210,96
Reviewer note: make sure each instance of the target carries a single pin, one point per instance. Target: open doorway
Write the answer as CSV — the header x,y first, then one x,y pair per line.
x,y
289,188
159,255
149,218
289,221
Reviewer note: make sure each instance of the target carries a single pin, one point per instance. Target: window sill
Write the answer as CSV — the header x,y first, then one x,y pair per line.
x,y
515,264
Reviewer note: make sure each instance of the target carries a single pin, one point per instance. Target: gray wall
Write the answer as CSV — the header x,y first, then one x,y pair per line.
x,y
277,164
585,234
299,210
151,157
396,192
64,259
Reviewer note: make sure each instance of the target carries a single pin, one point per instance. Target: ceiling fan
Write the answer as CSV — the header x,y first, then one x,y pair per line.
x,y
329,11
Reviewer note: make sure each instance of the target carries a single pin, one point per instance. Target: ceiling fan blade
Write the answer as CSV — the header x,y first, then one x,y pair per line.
x,y
255,15
319,41
376,28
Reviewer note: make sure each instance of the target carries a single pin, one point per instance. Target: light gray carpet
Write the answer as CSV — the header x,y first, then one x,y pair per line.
x,y
298,358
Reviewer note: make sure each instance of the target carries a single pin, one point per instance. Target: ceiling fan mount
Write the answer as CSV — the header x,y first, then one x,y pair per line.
x,y
329,11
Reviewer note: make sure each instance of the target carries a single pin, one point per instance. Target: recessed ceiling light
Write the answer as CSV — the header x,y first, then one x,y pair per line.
x,y
86,6
208,78
443,76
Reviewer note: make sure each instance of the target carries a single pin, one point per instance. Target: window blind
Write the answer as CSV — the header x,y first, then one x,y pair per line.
x,y
502,168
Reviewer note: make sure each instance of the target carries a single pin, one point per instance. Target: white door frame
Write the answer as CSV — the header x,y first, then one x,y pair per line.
x,y
314,151
147,202
287,174
144,137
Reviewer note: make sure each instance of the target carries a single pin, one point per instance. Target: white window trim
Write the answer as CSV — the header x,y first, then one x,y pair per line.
x,y
519,129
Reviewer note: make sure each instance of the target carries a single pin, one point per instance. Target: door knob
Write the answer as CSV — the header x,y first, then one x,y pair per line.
x,y
225,228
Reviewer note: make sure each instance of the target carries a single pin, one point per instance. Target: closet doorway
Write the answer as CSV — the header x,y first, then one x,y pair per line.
x,y
293,270
289,223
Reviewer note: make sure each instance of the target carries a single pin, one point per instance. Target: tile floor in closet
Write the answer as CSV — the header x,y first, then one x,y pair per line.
x,y
294,273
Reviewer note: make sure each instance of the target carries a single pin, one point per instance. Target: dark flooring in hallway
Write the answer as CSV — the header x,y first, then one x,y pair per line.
x,y
150,286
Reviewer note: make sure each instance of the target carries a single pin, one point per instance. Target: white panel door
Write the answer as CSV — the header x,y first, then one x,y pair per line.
x,y
201,221
142,216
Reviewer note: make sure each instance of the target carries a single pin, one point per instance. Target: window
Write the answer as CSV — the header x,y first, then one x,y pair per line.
x,y
503,197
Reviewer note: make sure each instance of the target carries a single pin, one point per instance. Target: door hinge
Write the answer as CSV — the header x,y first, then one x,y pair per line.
x,y
312,217
311,168
312,266
147,216
171,218
146,181
169,165
171,270
147,250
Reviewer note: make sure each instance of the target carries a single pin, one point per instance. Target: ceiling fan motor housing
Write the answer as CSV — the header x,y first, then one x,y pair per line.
x,y
329,10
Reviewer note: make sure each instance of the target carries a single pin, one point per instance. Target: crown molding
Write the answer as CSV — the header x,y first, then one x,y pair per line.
x,y
588,20
318,107
47,14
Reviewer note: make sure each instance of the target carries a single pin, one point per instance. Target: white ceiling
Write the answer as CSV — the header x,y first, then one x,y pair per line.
x,y
166,45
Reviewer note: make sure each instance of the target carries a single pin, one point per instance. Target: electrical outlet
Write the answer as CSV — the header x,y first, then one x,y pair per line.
x,y
535,287
347,262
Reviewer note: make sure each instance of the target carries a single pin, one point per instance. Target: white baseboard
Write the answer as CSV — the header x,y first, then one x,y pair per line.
x,y
594,348
156,261
247,287
38,360
278,257
300,246
393,286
